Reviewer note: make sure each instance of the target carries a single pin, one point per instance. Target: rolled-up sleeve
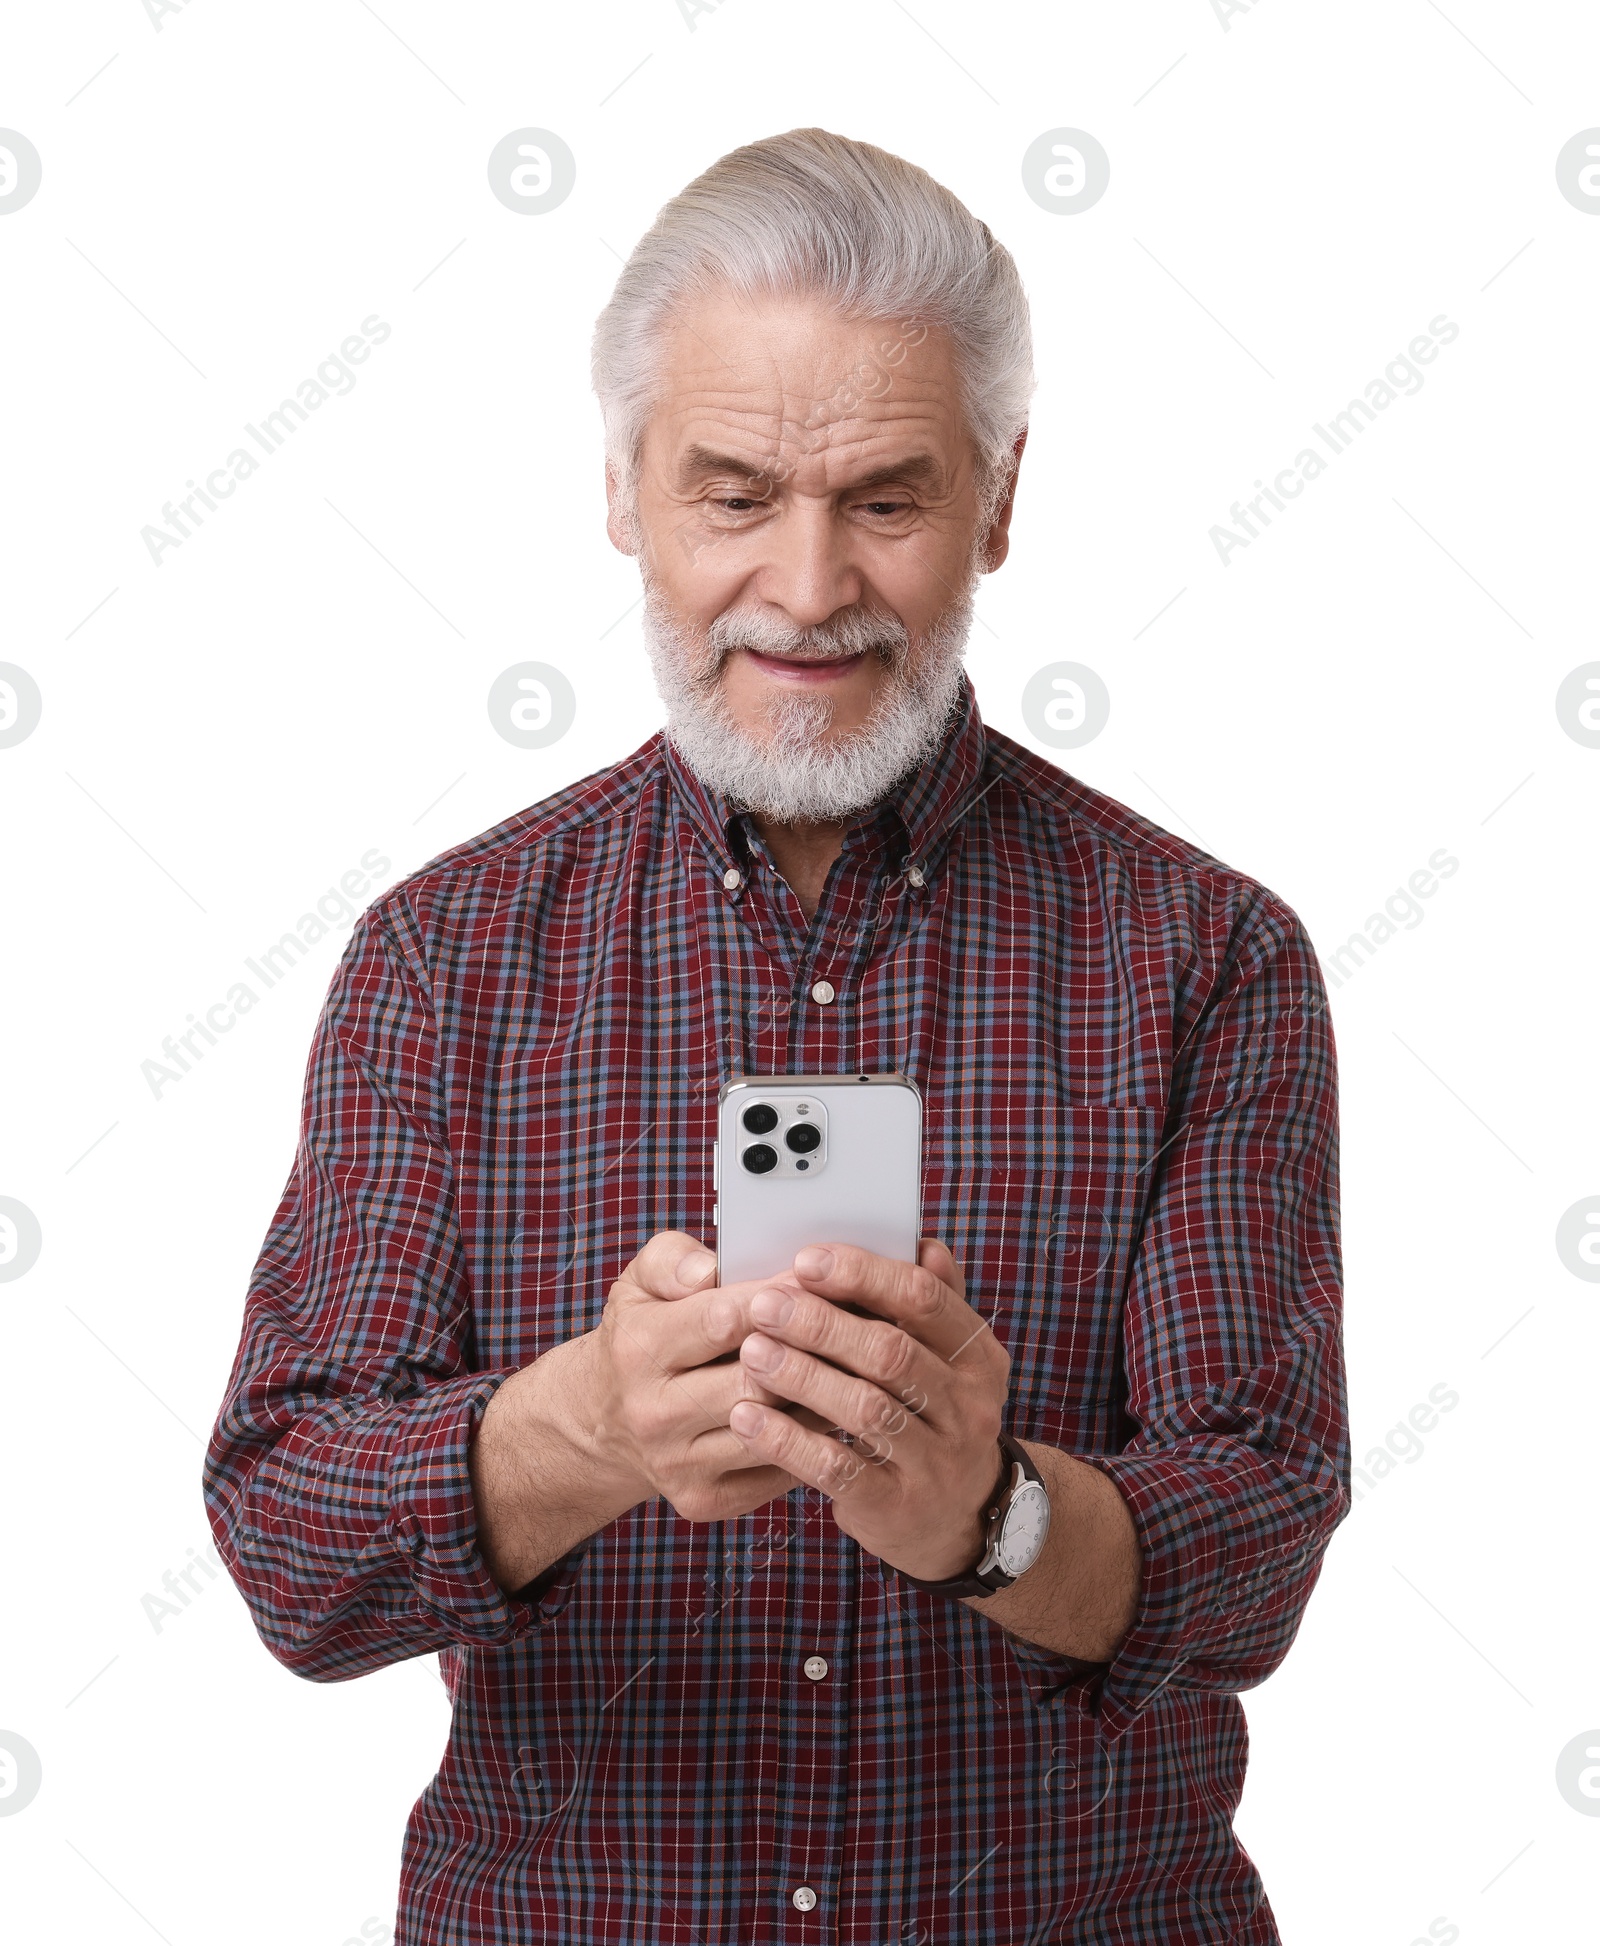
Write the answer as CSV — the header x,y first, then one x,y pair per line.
x,y
337,1478
1239,1468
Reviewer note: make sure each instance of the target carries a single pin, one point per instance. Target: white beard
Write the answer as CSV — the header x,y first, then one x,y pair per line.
x,y
793,769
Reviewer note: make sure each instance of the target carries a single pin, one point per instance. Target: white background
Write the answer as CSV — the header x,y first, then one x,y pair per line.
x,y
305,679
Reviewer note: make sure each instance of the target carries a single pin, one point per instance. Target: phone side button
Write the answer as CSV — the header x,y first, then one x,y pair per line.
x,y
716,1213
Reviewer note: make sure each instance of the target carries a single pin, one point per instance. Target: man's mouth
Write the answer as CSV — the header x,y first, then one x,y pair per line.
x,y
805,668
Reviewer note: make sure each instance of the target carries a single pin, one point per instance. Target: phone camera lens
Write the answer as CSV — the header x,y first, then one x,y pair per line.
x,y
760,1157
761,1119
804,1137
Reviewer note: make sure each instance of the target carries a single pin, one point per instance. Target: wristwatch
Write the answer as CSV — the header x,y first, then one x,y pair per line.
x,y
1015,1526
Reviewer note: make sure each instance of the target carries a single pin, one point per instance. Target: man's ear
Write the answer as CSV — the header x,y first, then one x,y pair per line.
x,y
998,543
619,527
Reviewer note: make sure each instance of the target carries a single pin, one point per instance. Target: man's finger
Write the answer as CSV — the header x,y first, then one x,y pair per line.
x,y
774,1438
728,1479
697,1328
713,1390
722,1451
938,1257
870,1414
907,1294
868,1347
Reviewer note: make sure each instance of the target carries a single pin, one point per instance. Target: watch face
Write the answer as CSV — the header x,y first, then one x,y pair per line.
x,y
1027,1522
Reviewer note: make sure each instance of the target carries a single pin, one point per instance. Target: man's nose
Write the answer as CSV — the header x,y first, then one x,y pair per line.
x,y
809,571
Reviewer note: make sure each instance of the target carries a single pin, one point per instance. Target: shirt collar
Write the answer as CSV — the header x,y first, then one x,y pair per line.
x,y
932,798
916,813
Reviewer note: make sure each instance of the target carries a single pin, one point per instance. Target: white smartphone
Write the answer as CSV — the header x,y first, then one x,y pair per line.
x,y
810,1158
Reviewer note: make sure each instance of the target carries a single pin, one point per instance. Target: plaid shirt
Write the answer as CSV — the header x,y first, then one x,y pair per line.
x,y
1131,1147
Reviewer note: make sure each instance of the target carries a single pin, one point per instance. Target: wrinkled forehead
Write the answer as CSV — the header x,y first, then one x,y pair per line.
x,y
793,389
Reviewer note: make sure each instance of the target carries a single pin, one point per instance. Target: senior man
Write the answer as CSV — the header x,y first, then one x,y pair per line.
x,y
702,1588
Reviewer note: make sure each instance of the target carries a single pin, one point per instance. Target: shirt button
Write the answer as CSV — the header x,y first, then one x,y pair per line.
x,y
816,1667
822,992
915,876
804,1897
733,878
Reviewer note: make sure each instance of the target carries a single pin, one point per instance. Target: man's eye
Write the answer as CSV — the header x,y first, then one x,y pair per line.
x,y
737,502
886,508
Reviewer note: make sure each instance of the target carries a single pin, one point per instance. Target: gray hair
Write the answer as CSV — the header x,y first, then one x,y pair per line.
x,y
810,212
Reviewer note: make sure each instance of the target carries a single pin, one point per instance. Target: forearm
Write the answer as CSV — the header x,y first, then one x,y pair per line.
x,y
1080,1597
541,1479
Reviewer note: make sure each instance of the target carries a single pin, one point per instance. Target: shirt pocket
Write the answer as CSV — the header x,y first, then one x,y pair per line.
x,y
1043,1209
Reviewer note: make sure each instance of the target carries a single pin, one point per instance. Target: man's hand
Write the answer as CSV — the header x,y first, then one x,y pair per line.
x,y
664,1378
635,1408
920,1387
